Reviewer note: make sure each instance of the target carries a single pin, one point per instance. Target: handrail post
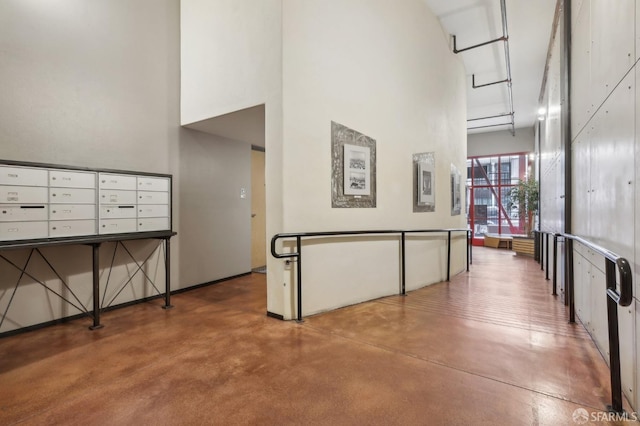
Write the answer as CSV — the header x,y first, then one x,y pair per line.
x,y
403,267
299,283
614,341
555,264
468,251
470,233
547,255
569,291
541,254
448,255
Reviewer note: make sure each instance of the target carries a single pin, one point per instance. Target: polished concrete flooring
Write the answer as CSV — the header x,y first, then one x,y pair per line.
x,y
492,347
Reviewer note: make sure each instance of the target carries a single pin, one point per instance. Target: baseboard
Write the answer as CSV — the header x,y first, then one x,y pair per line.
x,y
276,316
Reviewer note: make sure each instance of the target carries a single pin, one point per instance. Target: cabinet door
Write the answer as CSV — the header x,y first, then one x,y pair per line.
x,y
115,181
23,194
19,213
153,224
67,179
72,196
149,197
72,211
68,228
117,226
153,210
117,197
23,230
118,212
23,176
160,184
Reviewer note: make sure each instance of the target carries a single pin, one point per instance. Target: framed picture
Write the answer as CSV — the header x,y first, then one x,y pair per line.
x,y
356,170
456,197
424,182
353,168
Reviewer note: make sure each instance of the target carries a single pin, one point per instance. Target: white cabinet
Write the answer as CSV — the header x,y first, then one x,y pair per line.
x,y
23,203
133,203
72,203
47,202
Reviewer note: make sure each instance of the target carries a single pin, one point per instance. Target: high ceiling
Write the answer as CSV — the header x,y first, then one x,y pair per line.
x,y
529,24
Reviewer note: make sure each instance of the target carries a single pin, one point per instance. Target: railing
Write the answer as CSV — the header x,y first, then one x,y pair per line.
x,y
624,297
401,233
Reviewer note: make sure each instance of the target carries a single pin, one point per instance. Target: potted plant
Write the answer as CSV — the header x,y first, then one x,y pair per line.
x,y
525,196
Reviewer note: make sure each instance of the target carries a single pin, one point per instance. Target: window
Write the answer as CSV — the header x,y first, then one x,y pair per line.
x,y
489,183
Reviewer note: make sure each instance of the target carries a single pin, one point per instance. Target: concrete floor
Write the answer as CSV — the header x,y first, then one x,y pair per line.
x,y
492,347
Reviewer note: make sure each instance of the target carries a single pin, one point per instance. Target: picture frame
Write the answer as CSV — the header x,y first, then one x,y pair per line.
x,y
353,168
424,182
456,192
357,179
426,192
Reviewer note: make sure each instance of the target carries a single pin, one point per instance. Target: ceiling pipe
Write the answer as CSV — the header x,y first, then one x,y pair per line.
x,y
507,58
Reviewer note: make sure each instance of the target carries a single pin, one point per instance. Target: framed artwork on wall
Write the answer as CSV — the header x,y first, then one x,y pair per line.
x,y
456,193
424,182
357,180
353,168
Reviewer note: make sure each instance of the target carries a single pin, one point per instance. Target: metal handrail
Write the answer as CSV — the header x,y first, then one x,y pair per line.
x,y
298,254
615,298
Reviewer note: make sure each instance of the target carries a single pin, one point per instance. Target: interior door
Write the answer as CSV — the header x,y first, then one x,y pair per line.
x,y
258,211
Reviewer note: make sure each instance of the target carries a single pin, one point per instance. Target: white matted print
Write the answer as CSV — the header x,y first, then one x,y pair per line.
x,y
356,170
426,187
456,195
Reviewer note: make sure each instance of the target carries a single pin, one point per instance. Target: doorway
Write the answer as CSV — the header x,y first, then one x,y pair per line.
x,y
258,211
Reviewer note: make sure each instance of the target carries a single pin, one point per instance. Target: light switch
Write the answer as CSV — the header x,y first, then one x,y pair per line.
x,y
243,193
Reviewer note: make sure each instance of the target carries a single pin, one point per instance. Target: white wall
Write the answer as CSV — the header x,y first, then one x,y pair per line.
x,y
386,70
230,56
605,152
501,142
210,196
96,84
231,59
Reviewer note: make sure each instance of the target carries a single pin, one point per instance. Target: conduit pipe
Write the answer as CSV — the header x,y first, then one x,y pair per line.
x,y
507,58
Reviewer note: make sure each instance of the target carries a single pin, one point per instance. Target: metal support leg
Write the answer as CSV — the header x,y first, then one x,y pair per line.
x,y
555,265
547,256
299,283
403,271
96,287
468,249
448,255
167,274
570,286
614,342
541,254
